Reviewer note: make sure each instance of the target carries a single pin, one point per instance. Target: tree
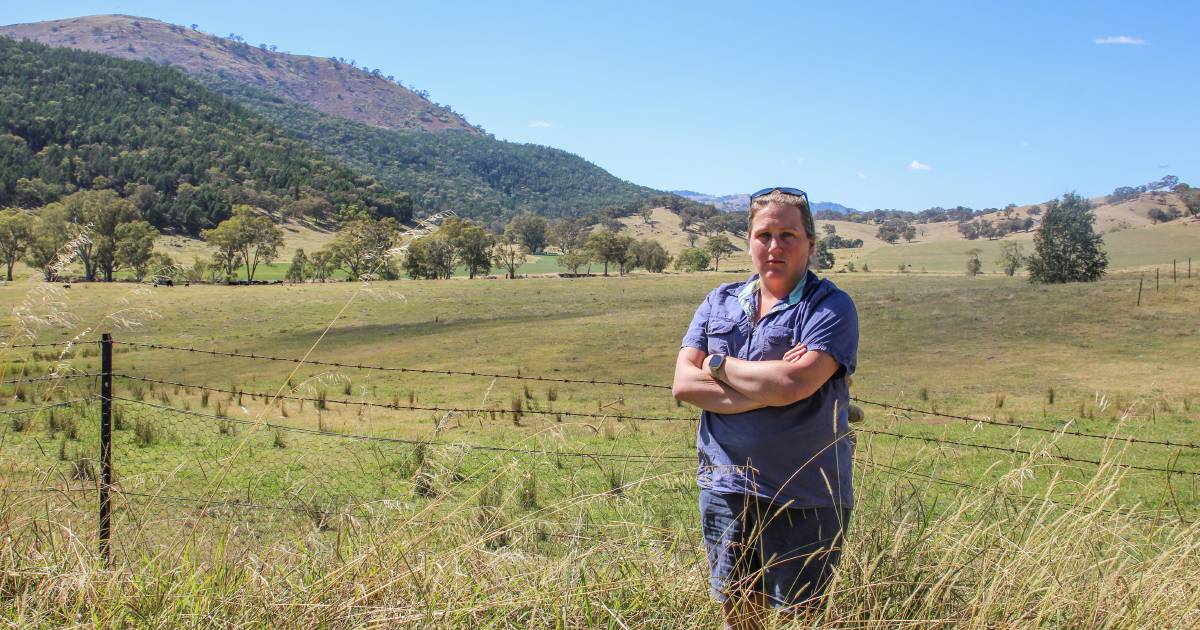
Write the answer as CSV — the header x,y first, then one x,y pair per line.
x,y
568,235
363,246
227,241
607,247
1158,215
651,256
909,233
1191,198
1012,257
417,261
263,240
719,246
50,236
322,264
135,245
16,232
829,229
160,265
508,254
472,245
246,237
1066,248
889,232
647,214
823,259
440,255
529,230
98,213
691,259
298,270
974,266
574,260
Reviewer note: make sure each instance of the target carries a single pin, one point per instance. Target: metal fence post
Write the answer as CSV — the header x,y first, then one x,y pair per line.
x,y
105,444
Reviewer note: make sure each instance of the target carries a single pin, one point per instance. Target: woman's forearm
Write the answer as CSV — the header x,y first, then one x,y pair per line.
x,y
778,383
696,386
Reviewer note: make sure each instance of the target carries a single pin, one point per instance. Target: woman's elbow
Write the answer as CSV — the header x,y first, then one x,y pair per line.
x,y
680,391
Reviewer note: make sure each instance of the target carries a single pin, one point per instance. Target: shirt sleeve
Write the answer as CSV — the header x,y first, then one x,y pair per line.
x,y
833,329
697,335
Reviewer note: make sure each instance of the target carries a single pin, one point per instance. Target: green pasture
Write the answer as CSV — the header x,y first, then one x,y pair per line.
x,y
989,346
236,472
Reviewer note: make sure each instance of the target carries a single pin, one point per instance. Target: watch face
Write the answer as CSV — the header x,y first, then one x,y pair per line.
x,y
715,363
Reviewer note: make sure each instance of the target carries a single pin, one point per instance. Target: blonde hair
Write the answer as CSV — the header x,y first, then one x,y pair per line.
x,y
780,197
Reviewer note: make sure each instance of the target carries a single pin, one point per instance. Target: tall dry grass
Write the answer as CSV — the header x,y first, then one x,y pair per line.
x,y
916,556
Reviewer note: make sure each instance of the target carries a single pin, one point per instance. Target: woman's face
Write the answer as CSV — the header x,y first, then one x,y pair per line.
x,y
779,246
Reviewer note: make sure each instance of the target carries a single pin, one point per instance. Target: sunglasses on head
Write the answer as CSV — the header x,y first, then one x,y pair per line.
x,y
788,191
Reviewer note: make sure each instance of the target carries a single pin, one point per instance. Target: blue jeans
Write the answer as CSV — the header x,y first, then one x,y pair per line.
x,y
788,554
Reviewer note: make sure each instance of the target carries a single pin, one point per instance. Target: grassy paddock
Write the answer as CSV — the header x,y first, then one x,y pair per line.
x,y
223,519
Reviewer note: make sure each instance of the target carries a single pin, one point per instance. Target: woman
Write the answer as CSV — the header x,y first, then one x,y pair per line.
x,y
767,360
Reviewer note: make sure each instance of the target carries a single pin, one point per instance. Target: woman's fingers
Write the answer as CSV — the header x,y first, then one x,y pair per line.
x,y
794,354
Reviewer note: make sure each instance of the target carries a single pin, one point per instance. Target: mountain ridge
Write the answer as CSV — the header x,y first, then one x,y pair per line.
x,y
327,85
738,202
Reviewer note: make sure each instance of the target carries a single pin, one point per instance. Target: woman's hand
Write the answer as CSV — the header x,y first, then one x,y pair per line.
x,y
793,355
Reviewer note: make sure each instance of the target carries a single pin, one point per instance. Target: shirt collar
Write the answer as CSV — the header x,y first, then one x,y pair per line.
x,y
748,296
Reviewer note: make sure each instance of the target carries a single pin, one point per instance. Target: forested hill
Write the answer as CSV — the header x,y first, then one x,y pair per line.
x,y
335,86
475,175
74,120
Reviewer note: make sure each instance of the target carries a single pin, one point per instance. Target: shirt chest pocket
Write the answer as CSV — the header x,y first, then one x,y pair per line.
x,y
722,336
775,341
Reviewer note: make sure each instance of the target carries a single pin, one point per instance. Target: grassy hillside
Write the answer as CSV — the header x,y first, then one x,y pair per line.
x,y
1147,246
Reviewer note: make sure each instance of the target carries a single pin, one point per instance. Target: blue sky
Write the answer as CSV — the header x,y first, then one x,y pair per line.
x,y
871,105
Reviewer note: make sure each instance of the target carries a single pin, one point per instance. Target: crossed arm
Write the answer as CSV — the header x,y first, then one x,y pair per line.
x,y
749,385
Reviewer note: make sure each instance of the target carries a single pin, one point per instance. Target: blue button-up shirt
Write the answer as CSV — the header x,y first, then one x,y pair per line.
x,y
799,452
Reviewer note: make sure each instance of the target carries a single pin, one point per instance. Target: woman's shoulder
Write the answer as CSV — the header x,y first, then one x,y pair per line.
x,y
727,291
829,295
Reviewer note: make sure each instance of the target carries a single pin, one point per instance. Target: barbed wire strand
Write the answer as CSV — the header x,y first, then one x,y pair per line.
x,y
63,403
1017,451
903,472
56,344
385,368
401,407
52,377
408,441
1017,425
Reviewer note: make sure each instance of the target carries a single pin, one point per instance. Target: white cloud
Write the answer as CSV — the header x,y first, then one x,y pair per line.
x,y
862,175
541,124
1024,143
919,166
1124,40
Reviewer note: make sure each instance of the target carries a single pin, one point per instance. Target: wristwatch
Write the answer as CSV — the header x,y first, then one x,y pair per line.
x,y
715,363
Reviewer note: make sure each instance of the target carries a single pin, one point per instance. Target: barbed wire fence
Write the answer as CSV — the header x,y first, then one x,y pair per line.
x,y
323,472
